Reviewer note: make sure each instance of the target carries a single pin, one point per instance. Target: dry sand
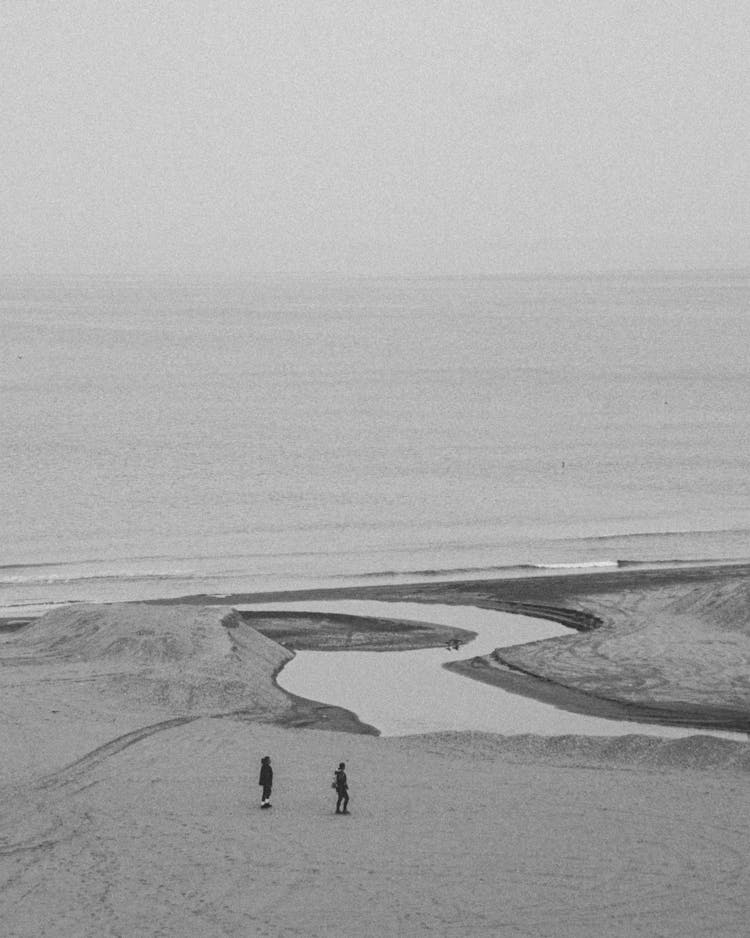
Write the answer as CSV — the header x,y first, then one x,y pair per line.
x,y
132,738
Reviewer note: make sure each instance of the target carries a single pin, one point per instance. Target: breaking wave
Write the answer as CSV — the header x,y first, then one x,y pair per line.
x,y
664,535
509,570
40,575
42,579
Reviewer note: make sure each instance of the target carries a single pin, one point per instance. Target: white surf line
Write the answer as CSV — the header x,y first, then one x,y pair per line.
x,y
407,692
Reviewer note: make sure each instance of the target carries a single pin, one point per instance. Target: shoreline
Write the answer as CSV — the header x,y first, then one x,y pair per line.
x,y
624,608
501,593
616,614
566,697
148,723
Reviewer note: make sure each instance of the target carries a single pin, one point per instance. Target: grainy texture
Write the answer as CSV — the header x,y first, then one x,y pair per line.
x,y
130,812
677,651
325,631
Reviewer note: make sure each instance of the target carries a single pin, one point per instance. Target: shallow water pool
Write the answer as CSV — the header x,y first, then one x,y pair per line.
x,y
406,692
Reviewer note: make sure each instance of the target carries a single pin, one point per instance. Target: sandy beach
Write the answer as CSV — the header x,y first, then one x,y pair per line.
x,y
669,645
375,390
132,736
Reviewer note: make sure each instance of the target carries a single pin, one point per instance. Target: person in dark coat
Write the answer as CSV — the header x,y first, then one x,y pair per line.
x,y
266,781
342,789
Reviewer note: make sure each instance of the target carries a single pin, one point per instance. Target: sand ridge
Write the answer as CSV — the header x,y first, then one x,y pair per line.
x,y
679,653
206,659
131,805
82,676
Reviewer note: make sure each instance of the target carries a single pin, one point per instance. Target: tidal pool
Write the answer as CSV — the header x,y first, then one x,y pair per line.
x,y
407,692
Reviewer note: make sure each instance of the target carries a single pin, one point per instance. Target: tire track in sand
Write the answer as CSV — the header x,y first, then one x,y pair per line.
x,y
74,770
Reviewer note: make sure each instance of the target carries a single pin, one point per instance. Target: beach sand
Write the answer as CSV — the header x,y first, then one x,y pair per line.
x,y
132,737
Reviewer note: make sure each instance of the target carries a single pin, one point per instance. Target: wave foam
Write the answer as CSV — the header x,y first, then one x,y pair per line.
x,y
48,579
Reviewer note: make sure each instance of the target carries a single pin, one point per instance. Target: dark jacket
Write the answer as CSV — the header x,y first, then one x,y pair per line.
x,y
266,775
340,777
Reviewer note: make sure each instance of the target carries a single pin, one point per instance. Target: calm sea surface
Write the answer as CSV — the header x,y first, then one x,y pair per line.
x,y
158,441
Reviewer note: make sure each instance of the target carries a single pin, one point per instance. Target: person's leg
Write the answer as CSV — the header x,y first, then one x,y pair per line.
x,y
346,803
339,799
265,801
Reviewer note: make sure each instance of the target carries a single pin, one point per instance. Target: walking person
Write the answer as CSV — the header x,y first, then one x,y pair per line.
x,y
342,789
266,781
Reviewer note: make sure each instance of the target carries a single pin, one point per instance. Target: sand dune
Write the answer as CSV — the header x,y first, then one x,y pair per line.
x,y
82,675
185,661
131,740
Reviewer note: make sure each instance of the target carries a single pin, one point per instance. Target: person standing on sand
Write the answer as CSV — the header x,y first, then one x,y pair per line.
x,y
342,789
266,781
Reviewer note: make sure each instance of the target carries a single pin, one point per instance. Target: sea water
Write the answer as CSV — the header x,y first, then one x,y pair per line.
x,y
160,439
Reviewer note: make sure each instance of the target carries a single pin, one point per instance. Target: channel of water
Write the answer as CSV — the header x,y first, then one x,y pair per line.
x,y
407,692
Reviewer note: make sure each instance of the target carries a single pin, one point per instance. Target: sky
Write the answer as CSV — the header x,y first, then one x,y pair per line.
x,y
240,138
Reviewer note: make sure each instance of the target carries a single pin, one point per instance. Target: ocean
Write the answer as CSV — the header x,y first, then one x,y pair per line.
x,y
160,440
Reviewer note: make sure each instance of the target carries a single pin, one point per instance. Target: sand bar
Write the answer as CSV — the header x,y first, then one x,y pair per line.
x,y
666,645
132,736
424,690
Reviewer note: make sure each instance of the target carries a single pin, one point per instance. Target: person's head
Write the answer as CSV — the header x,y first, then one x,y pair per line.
x,y
266,760
342,765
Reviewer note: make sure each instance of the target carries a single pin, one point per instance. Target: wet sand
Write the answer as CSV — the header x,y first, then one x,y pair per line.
x,y
666,645
131,739
414,692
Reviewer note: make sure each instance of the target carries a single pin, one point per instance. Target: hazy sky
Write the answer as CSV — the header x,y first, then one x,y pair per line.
x,y
368,137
